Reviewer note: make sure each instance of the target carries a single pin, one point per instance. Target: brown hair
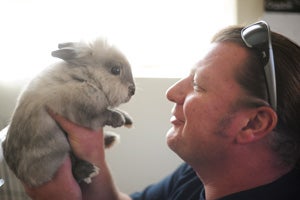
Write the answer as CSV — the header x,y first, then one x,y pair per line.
x,y
286,140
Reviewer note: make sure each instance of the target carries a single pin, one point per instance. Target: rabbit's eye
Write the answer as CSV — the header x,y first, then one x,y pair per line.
x,y
116,70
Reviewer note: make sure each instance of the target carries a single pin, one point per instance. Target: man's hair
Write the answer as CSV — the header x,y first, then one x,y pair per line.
x,y
286,135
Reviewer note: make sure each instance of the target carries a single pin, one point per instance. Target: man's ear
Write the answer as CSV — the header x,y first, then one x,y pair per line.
x,y
259,123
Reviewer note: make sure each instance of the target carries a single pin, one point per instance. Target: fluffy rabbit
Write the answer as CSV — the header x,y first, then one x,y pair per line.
x,y
86,87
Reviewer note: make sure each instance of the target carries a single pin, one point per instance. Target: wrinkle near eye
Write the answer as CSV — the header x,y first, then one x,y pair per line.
x,y
195,84
199,81
197,87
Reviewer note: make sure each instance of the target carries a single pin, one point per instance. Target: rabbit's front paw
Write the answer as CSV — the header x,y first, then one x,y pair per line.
x,y
84,171
128,120
115,118
110,138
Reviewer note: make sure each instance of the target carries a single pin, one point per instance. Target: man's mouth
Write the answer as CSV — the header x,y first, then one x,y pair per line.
x,y
176,121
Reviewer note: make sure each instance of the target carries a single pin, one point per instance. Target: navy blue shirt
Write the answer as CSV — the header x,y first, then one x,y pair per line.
x,y
184,184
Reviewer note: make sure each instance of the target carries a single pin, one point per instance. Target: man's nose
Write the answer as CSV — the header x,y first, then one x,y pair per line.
x,y
177,92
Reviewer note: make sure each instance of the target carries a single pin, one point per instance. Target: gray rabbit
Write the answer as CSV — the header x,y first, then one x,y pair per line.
x,y
86,87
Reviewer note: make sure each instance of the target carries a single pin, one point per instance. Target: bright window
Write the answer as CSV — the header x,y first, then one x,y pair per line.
x,y
161,38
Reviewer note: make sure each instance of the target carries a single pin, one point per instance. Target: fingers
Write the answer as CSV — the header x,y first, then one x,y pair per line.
x,y
87,144
67,125
74,131
62,186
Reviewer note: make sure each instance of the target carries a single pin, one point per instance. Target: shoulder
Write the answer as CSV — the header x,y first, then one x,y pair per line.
x,y
183,183
286,187
186,183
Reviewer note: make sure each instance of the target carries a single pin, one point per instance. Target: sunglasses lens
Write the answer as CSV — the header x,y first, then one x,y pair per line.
x,y
255,35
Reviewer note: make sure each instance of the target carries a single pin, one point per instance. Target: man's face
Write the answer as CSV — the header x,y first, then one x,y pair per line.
x,y
203,115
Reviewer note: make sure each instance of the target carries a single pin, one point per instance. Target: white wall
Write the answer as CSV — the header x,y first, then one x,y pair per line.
x,y
287,24
248,11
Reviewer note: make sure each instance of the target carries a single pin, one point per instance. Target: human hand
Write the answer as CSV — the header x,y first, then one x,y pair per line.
x,y
86,144
62,186
89,145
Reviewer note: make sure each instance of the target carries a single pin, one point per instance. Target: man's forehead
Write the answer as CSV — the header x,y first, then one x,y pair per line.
x,y
207,57
219,55
203,63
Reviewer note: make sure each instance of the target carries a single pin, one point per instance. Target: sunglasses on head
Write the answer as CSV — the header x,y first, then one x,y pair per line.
x,y
258,36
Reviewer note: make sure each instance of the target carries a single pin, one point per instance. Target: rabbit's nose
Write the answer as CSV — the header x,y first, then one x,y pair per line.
x,y
131,90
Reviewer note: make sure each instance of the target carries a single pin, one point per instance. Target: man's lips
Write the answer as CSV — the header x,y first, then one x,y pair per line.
x,y
176,121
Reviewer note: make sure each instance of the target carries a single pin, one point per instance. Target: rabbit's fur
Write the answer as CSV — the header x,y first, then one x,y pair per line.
x,y
85,87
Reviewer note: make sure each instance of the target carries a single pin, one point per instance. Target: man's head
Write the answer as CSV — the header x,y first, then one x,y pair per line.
x,y
224,101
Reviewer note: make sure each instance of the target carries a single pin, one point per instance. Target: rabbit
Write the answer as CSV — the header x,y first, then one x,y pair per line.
x,y
92,79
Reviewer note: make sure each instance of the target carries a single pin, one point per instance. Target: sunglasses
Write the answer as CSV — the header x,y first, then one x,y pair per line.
x,y
258,36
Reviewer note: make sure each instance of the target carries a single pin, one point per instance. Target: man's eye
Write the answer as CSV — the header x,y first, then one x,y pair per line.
x,y
197,88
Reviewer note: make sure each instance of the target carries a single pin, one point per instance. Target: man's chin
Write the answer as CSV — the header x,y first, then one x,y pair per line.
x,y
171,137
171,133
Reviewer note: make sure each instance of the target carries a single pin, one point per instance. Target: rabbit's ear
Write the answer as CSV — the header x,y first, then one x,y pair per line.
x,y
65,53
66,44
70,51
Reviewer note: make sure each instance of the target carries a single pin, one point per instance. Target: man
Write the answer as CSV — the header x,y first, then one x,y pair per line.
x,y
235,124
